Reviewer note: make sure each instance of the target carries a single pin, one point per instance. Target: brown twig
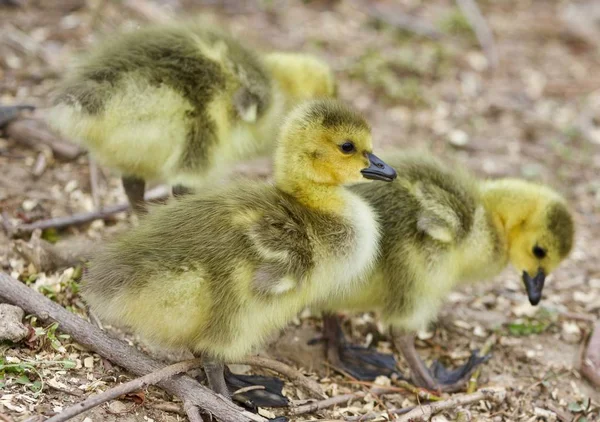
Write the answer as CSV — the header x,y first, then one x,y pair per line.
x,y
403,386
482,31
33,132
129,387
324,404
424,412
168,407
286,370
158,193
590,364
487,347
192,393
397,19
332,401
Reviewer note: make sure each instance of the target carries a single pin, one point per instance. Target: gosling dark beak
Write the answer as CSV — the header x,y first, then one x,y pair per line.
x,y
534,286
378,170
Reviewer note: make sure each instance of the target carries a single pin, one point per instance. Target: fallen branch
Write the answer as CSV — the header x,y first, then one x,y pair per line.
x,y
33,132
424,412
286,370
192,393
393,17
483,33
158,193
590,364
129,387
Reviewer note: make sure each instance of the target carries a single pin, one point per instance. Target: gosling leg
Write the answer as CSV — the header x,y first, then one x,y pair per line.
x,y
360,362
134,189
215,373
438,378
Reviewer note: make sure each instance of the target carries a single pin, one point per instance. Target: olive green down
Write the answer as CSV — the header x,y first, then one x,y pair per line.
x,y
181,235
399,213
169,55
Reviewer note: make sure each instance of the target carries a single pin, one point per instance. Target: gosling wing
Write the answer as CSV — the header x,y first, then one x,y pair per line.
x,y
284,245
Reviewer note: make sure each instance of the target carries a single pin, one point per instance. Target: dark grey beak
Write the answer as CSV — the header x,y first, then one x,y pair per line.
x,y
534,286
378,170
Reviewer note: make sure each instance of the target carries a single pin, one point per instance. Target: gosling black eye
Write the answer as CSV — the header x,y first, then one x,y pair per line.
x,y
348,147
539,253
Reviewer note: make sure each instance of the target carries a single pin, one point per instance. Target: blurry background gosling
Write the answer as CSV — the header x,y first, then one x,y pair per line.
x,y
180,103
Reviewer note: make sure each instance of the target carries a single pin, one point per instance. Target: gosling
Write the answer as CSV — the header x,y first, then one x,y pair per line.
x,y
220,271
181,103
443,227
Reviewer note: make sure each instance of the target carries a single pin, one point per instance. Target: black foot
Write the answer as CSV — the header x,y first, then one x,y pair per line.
x,y
270,396
9,113
459,375
365,364
362,363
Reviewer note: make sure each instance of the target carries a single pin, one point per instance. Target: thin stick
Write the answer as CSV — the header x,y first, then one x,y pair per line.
x,y
192,393
590,364
403,386
487,347
424,412
324,404
78,219
482,30
120,390
168,407
286,370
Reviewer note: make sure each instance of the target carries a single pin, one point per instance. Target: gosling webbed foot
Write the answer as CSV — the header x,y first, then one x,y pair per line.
x,y
436,378
9,113
365,364
460,375
360,362
270,396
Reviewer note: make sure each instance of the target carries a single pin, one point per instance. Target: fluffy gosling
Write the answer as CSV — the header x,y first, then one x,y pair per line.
x,y
181,103
220,271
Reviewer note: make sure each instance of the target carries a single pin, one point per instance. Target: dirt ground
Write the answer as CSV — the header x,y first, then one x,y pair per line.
x,y
537,116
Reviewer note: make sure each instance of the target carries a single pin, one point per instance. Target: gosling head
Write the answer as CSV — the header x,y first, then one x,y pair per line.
x,y
325,142
541,233
301,76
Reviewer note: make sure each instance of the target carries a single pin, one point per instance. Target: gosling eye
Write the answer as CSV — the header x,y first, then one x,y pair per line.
x,y
539,252
348,147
